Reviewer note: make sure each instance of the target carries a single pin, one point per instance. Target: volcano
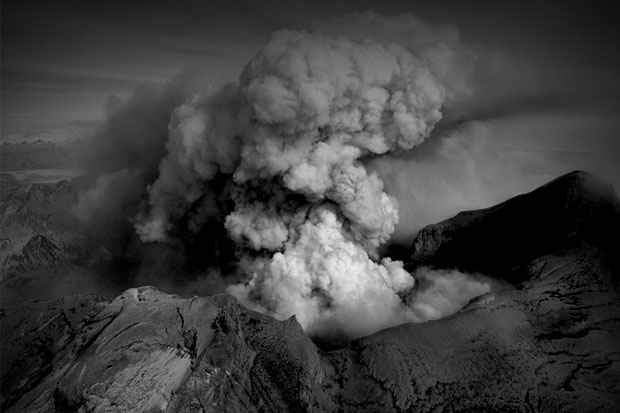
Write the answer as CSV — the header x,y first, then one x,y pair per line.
x,y
549,343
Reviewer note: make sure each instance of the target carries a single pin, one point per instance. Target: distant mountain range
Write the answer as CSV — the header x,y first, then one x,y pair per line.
x,y
551,343
38,231
39,154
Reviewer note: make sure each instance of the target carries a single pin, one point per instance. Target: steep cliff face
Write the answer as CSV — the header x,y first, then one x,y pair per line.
x,y
553,344
573,209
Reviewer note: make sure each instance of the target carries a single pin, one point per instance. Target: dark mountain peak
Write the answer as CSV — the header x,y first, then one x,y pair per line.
x,y
572,209
583,193
577,178
577,191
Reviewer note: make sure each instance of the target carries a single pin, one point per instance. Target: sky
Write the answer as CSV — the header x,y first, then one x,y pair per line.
x,y
61,59
549,67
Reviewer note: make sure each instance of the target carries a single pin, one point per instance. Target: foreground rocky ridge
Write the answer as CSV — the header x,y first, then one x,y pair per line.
x,y
551,345
150,351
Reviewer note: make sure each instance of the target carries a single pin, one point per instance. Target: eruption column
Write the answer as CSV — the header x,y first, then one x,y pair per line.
x,y
293,135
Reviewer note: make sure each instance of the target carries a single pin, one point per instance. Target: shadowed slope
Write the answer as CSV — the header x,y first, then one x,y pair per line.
x,y
573,209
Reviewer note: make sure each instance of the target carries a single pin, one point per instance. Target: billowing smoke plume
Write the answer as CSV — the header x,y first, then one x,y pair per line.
x,y
439,46
444,292
276,180
122,158
294,135
108,197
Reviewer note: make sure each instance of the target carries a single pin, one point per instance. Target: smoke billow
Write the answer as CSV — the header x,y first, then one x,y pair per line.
x,y
125,151
468,172
123,157
294,135
444,292
283,188
482,163
104,202
439,46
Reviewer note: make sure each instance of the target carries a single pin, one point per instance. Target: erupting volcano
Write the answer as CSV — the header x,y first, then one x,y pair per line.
x,y
309,207
293,136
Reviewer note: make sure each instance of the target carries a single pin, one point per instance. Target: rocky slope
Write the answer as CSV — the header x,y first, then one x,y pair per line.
x,y
551,345
573,209
39,252
38,232
150,351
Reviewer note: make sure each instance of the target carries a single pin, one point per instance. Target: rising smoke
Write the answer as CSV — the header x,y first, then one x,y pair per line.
x,y
123,157
294,136
282,187
272,188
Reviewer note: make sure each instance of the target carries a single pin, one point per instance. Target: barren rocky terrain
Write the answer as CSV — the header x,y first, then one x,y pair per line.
x,y
551,343
39,237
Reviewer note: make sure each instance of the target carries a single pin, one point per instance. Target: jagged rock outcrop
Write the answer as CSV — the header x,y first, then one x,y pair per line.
x,y
552,345
573,209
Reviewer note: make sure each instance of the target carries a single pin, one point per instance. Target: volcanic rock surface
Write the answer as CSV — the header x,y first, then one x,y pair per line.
x,y
573,209
553,344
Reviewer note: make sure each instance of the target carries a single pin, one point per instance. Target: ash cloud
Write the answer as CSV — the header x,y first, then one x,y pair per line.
x,y
452,62
444,292
122,159
484,162
106,201
294,134
284,187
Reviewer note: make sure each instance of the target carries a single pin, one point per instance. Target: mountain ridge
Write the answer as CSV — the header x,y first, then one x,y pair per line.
x,y
553,344
574,208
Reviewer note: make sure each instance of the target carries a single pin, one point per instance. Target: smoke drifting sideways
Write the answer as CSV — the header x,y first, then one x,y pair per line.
x,y
281,159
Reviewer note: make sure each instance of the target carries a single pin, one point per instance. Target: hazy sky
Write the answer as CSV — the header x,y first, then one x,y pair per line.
x,y
61,59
